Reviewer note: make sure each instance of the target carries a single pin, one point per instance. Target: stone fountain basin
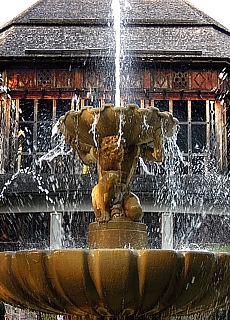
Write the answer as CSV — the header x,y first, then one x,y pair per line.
x,y
115,281
88,126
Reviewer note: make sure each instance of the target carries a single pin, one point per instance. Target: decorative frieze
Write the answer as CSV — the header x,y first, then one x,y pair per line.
x,y
133,80
104,80
40,78
45,78
64,79
161,79
204,80
180,79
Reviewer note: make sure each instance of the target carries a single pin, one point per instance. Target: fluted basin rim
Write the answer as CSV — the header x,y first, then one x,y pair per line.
x,y
115,281
138,125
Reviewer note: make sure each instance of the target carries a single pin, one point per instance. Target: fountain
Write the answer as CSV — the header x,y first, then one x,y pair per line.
x,y
117,276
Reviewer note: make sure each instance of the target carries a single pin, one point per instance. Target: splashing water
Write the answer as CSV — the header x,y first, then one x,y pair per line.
x,y
120,131
8,183
36,177
58,150
93,128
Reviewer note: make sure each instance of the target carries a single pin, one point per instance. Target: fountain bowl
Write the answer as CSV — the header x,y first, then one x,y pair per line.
x,y
115,282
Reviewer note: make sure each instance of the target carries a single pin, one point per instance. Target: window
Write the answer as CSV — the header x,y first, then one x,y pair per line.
x,y
34,131
43,131
32,122
62,106
196,138
196,120
162,105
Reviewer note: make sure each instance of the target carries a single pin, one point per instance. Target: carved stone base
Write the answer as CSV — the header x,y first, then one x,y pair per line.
x,y
117,233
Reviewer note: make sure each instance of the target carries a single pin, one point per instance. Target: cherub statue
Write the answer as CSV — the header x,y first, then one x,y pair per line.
x,y
117,155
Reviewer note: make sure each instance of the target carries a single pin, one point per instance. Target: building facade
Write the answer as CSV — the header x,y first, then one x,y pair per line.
x,y
57,56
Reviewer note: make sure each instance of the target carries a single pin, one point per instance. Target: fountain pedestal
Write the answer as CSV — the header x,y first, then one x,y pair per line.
x,y
117,233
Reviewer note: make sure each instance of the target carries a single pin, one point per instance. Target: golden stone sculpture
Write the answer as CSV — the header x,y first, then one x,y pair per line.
x,y
110,280
115,138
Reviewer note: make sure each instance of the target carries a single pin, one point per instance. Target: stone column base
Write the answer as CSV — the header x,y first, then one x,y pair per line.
x,y
117,233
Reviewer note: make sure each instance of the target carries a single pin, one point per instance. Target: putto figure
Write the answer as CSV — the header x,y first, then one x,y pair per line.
x,y
115,138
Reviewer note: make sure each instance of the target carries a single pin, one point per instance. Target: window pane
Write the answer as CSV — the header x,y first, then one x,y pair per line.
x,y
26,110
44,137
182,138
162,105
198,138
62,106
198,112
45,110
26,138
180,110
26,161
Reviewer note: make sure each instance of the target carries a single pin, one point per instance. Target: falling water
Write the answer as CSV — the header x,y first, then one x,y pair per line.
x,y
58,150
117,28
93,129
